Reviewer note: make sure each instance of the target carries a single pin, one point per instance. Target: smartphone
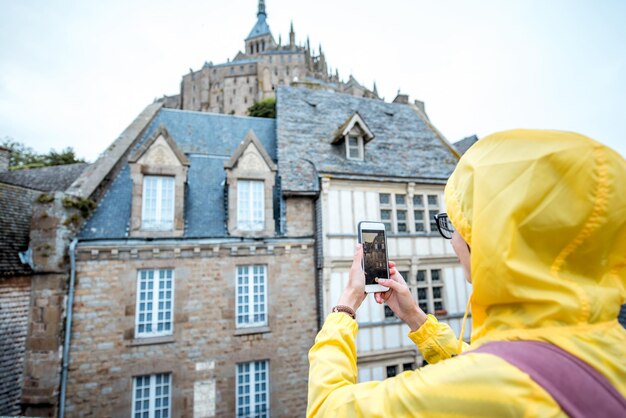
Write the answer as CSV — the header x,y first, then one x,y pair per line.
x,y
375,260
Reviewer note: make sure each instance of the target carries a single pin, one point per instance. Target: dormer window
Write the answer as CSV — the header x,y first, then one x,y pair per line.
x,y
354,147
159,172
354,133
250,178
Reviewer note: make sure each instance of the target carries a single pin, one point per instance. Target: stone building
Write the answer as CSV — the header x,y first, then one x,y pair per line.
x,y
195,276
255,72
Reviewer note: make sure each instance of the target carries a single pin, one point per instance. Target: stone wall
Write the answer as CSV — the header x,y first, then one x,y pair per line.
x,y
42,364
205,347
300,216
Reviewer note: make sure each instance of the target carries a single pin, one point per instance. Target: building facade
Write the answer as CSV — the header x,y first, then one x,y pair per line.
x,y
369,160
255,72
195,277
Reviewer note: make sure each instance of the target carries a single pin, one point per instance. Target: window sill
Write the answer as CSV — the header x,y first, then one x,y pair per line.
x,y
252,330
165,339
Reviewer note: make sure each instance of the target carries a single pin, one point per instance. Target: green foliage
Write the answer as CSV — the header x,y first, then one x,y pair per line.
x,y
84,205
23,157
266,108
45,198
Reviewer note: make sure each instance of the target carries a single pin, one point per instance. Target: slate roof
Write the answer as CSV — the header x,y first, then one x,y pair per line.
x,y
404,145
208,140
464,144
15,217
45,179
260,28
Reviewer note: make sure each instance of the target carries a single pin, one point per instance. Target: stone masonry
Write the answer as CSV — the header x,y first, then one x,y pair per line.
x,y
203,351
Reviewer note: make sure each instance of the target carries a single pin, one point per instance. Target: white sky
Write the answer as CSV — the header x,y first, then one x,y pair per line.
x,y
76,73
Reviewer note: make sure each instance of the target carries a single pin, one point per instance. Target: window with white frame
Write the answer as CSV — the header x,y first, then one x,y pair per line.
x,y
253,389
152,396
425,207
157,211
155,303
429,291
251,296
393,212
250,205
354,147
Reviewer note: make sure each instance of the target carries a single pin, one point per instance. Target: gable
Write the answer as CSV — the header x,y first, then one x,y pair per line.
x,y
161,150
251,156
159,153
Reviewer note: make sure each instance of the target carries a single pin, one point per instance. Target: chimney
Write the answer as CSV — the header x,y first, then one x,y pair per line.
x,y
5,159
401,98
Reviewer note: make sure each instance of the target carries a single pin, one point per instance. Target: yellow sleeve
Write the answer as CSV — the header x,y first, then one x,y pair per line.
x,y
436,341
475,385
332,360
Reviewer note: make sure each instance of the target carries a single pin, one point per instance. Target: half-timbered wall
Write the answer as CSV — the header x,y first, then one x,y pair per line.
x,y
383,346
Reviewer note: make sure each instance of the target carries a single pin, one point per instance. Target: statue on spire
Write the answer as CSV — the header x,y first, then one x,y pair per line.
x,y
261,8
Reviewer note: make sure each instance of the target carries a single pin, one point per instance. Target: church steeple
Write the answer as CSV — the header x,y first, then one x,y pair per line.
x,y
261,9
260,38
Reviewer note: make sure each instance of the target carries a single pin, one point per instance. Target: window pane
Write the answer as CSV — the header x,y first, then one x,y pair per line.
x,y
250,205
252,389
421,275
418,201
401,215
407,366
400,199
389,313
385,215
158,202
384,198
392,371
433,200
435,275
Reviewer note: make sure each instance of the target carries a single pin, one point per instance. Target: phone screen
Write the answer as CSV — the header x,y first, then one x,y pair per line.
x,y
374,255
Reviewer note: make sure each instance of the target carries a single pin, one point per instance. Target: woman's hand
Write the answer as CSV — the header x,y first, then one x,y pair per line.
x,y
354,293
400,299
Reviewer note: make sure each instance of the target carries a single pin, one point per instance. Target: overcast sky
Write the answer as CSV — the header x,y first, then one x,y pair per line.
x,y
76,73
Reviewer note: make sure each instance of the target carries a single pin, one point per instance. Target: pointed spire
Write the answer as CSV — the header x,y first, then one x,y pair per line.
x,y
280,39
292,37
261,8
375,90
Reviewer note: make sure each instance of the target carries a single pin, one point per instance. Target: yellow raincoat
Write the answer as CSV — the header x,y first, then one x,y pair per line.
x,y
544,213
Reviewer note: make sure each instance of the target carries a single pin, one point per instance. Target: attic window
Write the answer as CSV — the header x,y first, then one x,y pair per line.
x,y
354,147
355,134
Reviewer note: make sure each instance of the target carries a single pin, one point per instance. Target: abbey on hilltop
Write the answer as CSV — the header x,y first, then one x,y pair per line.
x,y
254,74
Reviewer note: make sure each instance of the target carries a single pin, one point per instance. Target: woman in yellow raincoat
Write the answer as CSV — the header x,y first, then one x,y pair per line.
x,y
540,219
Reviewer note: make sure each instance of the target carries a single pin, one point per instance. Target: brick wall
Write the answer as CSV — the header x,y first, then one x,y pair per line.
x,y
14,304
206,346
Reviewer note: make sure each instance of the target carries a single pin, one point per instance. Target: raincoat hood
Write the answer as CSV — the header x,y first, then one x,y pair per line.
x,y
544,213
